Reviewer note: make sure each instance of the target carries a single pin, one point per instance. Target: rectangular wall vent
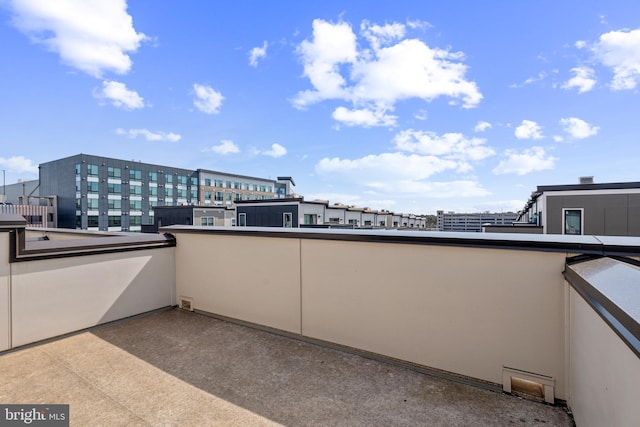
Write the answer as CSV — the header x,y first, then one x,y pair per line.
x,y
186,303
529,383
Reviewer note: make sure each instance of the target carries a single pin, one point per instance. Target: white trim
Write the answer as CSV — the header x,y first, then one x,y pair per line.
x,y
592,192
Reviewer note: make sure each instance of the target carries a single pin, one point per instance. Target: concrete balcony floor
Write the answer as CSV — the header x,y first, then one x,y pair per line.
x,y
180,368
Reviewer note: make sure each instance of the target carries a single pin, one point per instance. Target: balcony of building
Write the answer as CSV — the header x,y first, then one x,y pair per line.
x,y
320,327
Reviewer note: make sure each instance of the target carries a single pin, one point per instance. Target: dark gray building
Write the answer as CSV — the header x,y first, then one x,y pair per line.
x,y
100,193
606,209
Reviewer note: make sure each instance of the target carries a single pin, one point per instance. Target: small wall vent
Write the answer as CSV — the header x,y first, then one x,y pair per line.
x,y
186,303
529,383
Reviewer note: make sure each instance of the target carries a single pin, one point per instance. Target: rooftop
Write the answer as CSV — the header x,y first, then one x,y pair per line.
x,y
180,368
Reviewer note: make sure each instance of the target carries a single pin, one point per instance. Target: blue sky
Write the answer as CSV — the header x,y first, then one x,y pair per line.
x,y
411,106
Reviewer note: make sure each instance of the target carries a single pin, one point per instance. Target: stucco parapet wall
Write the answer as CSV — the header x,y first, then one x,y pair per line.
x,y
595,245
23,249
612,288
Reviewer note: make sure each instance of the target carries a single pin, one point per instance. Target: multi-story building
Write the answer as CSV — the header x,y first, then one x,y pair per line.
x,y
297,212
223,189
100,193
605,209
452,221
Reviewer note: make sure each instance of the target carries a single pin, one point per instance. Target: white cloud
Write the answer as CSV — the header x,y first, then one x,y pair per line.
x,y
481,126
276,151
421,114
207,99
150,136
578,128
225,147
119,96
541,76
364,117
257,53
94,36
18,164
558,138
522,162
393,68
583,80
382,35
620,51
450,146
528,130
580,44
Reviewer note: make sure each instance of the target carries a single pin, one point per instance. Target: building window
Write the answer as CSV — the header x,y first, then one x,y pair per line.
x,y
169,179
182,180
194,194
136,190
207,221
207,182
219,197
135,220
135,205
182,193
269,189
115,221
135,175
92,221
237,185
228,184
114,172
92,187
242,220
92,170
228,196
310,219
78,221
194,181
153,191
572,220
78,169
114,188
287,220
168,192
254,187
78,204
237,196
153,176
92,204
115,204
207,195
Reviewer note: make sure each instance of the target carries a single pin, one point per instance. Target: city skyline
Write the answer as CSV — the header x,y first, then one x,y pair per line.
x,y
408,106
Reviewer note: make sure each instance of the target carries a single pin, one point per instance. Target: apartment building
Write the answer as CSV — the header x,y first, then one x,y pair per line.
x,y
223,189
604,209
107,194
297,212
101,193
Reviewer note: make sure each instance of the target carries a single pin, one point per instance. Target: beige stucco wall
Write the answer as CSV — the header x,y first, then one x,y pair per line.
x,y
604,374
469,311
56,296
465,310
255,279
5,277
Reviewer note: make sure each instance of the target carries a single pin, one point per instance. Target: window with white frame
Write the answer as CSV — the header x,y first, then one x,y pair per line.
x,y
572,221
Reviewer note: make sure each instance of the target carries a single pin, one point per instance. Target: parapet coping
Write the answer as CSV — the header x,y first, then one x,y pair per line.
x,y
22,249
611,287
593,245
